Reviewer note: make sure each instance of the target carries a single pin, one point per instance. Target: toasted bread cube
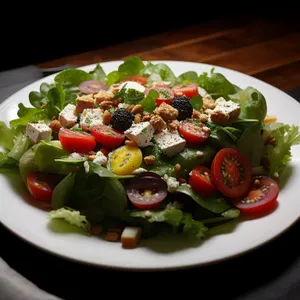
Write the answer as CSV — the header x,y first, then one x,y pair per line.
x,y
83,102
103,96
112,236
130,237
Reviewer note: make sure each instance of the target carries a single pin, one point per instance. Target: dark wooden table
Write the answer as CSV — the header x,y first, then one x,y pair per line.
x,y
268,49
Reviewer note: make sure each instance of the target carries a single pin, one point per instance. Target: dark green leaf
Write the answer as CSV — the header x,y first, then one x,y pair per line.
x,y
213,204
45,87
62,191
36,99
149,103
56,97
197,102
131,66
104,172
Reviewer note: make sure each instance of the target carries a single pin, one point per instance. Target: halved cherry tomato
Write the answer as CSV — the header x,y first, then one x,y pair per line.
x,y
76,141
261,197
92,86
137,78
193,132
165,93
107,136
189,90
200,181
231,172
41,185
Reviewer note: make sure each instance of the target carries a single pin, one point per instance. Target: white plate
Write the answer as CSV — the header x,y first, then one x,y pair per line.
x,y
31,223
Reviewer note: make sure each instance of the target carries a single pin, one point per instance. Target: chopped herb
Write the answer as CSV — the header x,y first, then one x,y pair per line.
x,y
77,129
144,130
88,121
165,93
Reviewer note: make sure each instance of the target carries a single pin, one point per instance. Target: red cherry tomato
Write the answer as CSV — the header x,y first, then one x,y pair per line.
x,y
137,78
107,136
200,181
189,90
261,197
231,172
193,132
76,141
92,86
41,185
165,93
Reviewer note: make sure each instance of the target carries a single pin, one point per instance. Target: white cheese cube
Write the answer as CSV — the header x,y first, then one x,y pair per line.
x,y
132,85
38,131
91,117
67,116
227,107
170,142
141,133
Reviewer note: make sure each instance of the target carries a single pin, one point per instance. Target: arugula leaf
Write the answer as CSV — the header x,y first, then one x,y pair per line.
x,y
212,204
62,191
197,102
187,77
279,155
72,77
27,115
217,85
162,70
148,102
98,74
251,143
252,102
6,136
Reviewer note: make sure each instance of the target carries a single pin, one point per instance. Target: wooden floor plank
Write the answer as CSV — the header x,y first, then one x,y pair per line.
x,y
286,77
263,56
211,47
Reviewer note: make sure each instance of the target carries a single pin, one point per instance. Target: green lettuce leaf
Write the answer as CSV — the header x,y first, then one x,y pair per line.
x,y
164,71
71,216
253,104
72,77
217,85
279,155
21,145
98,74
6,161
192,227
187,77
6,136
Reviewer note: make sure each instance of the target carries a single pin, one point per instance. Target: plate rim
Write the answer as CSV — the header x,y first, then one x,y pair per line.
x,y
161,268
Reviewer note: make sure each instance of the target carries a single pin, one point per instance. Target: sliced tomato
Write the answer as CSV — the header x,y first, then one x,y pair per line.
x,y
41,185
190,90
231,172
137,78
165,93
193,132
92,86
200,181
76,141
261,197
107,136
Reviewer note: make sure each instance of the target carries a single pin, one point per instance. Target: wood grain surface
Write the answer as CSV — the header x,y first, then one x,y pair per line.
x,y
265,49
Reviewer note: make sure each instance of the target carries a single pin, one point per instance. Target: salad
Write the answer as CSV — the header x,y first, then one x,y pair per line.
x,y
141,151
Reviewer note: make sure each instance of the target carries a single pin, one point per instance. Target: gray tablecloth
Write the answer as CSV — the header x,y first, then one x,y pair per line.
x,y
269,273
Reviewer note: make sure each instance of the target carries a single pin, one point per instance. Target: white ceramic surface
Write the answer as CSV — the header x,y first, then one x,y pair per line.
x,y
31,223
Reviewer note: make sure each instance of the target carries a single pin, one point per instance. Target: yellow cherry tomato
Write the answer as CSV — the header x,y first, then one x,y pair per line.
x,y
124,160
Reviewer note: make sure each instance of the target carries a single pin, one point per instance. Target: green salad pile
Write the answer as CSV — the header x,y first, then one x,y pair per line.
x,y
145,148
